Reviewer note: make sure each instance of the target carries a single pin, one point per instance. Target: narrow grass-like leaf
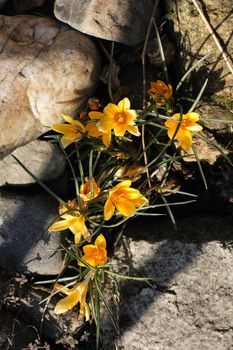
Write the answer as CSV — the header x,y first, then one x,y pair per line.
x,y
200,167
194,105
80,165
110,73
78,258
106,305
169,210
226,121
125,277
72,170
91,173
163,60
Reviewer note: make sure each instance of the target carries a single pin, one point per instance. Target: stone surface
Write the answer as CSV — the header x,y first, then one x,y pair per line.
x,y
189,305
25,244
194,40
43,159
47,69
124,21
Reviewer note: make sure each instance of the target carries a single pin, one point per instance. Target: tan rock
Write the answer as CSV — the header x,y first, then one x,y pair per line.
x,y
124,21
46,69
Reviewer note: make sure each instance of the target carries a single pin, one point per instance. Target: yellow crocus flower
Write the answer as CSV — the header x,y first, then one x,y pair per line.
x,y
85,190
72,220
160,92
71,132
95,254
75,295
123,198
184,133
119,118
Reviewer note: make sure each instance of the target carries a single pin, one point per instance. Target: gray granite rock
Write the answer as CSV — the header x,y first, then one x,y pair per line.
x,y
45,160
47,69
25,245
124,21
189,304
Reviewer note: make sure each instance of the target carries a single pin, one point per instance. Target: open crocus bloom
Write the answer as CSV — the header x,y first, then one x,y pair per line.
x,y
95,254
93,131
184,133
85,190
72,220
123,198
75,295
161,91
119,117
72,132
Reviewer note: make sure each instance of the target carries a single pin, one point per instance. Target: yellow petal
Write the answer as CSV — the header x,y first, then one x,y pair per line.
x,y
100,241
106,124
125,207
92,130
194,117
95,115
67,303
124,104
133,130
67,141
195,127
186,140
125,183
61,225
120,130
106,138
111,109
109,209
65,129
90,249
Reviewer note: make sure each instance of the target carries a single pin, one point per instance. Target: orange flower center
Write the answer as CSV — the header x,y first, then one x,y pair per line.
x,y
120,118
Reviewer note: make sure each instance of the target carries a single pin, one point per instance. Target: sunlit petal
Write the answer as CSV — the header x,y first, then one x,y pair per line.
x,y
125,207
124,104
109,209
100,241
67,303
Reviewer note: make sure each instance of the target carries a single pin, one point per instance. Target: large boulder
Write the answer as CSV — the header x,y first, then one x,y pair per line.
x,y
124,21
25,244
45,160
46,69
194,40
188,304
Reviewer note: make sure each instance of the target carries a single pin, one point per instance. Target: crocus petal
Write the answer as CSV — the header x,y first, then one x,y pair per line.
x,y
111,109
92,130
65,129
106,138
61,225
66,141
89,249
133,130
100,241
120,130
124,104
125,183
106,124
125,207
67,303
109,209
96,115
186,140
195,127
192,116
68,118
